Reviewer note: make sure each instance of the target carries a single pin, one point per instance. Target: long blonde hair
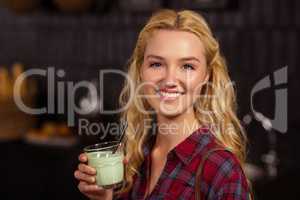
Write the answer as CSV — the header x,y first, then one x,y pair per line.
x,y
219,113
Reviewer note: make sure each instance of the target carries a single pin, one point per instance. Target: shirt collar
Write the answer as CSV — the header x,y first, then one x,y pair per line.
x,y
187,149
193,145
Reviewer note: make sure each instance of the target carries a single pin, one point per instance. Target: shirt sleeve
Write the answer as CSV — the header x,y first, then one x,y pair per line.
x,y
225,177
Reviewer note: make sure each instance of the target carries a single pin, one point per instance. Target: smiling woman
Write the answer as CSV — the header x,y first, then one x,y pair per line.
x,y
174,61
184,109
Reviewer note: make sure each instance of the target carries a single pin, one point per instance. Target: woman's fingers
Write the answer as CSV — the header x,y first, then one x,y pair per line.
x,y
93,191
84,177
90,189
82,157
86,169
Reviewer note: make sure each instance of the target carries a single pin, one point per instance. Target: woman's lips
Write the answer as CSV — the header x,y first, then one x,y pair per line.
x,y
169,96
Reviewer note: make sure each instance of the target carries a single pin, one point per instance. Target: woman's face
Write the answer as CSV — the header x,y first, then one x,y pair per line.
x,y
173,71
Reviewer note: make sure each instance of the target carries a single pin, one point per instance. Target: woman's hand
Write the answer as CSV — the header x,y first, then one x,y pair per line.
x,y
87,181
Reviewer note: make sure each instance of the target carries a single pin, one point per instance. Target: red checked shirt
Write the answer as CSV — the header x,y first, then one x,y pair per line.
x,y
222,177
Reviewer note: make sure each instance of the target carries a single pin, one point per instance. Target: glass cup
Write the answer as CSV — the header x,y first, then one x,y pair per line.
x,y
109,166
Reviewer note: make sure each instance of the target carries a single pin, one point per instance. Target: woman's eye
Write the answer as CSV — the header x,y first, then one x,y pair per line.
x,y
188,67
155,64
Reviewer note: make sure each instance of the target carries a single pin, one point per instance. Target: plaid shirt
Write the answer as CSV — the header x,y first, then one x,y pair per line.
x,y
222,177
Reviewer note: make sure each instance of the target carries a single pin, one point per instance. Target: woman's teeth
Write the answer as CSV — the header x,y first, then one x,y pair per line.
x,y
169,94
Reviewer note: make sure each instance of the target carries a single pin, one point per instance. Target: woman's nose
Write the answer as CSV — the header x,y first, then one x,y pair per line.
x,y
170,75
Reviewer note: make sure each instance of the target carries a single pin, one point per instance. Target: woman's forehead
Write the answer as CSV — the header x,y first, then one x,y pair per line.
x,y
173,43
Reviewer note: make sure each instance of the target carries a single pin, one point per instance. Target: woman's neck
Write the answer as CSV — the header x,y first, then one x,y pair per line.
x,y
173,130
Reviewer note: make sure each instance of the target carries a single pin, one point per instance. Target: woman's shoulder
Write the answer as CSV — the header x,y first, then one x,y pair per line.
x,y
218,155
215,155
223,173
220,160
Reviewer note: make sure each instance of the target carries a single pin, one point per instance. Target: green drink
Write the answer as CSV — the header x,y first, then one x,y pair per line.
x,y
109,166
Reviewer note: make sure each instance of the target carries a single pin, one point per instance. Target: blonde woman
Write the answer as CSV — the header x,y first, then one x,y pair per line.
x,y
182,125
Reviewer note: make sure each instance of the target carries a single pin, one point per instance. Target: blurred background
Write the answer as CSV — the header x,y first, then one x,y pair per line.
x,y
69,41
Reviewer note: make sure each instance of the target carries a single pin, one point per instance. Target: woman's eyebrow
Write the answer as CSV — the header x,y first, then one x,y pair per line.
x,y
181,59
190,58
155,56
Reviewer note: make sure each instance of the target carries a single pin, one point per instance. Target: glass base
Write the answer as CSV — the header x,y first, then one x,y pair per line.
x,y
112,186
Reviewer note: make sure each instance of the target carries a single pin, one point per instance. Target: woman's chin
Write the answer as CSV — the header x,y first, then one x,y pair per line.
x,y
170,113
